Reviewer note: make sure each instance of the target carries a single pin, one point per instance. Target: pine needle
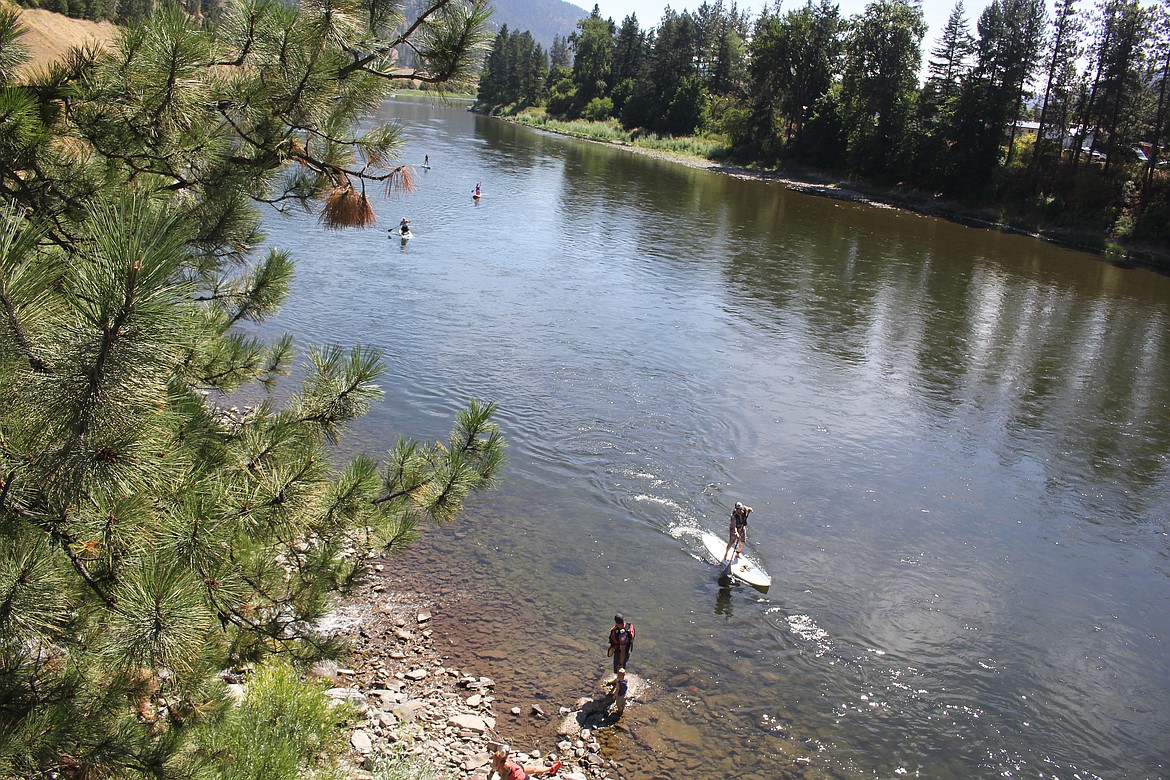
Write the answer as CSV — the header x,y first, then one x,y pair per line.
x,y
346,207
401,179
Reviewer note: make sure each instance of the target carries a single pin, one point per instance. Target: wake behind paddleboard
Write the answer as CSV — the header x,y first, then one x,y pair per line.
x,y
743,568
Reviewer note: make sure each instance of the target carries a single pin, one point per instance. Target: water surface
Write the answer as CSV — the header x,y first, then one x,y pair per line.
x,y
955,442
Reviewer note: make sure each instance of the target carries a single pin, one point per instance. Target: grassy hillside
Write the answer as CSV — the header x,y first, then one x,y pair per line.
x,y
51,35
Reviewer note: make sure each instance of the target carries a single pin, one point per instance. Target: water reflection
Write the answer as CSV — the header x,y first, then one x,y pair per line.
x,y
723,598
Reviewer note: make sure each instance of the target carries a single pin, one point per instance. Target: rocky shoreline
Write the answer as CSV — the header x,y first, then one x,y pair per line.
x,y
410,701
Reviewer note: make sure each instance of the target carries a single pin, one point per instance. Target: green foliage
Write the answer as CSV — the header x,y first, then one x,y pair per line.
x,y
405,767
598,110
149,538
593,43
282,729
514,72
687,110
562,96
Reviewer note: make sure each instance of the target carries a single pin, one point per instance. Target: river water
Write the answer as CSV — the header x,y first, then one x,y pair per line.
x,y
955,441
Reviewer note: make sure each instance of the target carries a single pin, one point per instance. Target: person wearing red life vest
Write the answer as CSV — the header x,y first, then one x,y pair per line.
x,y
505,768
621,641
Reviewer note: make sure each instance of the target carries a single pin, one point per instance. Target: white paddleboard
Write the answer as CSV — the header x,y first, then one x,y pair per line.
x,y
743,569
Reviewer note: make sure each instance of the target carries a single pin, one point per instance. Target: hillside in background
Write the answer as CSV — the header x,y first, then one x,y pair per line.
x,y
50,35
543,18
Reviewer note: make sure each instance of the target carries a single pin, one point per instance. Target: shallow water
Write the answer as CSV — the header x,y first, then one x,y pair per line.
x,y
955,442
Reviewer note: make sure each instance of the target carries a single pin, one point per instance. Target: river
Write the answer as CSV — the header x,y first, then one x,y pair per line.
x,y
955,442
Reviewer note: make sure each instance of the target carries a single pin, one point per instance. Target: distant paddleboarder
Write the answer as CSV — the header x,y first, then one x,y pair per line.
x,y
477,193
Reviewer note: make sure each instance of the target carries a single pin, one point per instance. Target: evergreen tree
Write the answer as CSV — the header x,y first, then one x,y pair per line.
x,y
1158,126
1126,26
949,60
882,56
1059,81
629,50
726,72
492,91
560,55
1007,51
794,59
149,537
672,60
593,56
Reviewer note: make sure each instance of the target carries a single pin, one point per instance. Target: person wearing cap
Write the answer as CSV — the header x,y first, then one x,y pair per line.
x,y
737,534
505,768
621,641
404,227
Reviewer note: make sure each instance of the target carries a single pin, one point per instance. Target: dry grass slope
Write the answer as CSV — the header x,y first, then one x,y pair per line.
x,y
51,35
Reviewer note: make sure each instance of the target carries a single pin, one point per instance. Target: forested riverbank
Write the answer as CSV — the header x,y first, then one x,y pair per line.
x,y
709,154
1052,126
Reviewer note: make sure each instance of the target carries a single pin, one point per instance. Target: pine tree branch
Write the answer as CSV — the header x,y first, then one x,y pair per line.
x,y
360,61
111,334
39,364
65,542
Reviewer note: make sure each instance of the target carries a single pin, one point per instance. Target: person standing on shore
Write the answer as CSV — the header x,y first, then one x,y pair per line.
x,y
737,534
505,768
621,641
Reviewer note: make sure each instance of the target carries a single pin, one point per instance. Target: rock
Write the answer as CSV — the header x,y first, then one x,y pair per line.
x,y
476,762
515,710
408,711
351,695
387,696
361,742
469,722
538,711
423,616
474,700
324,670
416,674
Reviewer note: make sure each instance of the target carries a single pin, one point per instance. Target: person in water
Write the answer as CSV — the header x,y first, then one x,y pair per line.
x,y
476,193
621,687
621,641
505,768
404,227
737,533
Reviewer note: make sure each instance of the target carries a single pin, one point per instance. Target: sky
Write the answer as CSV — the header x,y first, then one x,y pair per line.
x,y
649,12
